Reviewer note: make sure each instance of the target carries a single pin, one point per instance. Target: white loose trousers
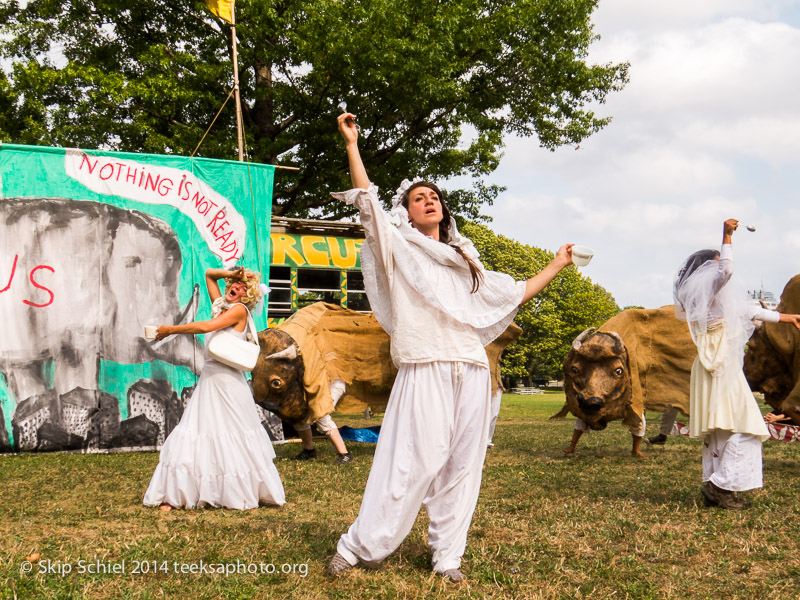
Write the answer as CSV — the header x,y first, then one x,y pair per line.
x,y
732,461
430,452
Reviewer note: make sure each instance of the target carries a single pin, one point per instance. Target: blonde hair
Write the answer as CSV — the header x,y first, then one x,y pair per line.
x,y
251,280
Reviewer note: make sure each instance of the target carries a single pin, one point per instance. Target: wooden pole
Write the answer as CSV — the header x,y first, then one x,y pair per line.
x,y
236,89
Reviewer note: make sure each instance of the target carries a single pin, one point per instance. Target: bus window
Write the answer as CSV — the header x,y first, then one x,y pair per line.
x,y
280,296
356,295
318,285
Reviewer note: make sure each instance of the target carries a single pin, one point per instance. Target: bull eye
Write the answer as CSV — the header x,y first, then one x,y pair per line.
x,y
618,371
574,370
276,383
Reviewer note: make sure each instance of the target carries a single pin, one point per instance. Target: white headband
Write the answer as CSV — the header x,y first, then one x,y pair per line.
x,y
398,197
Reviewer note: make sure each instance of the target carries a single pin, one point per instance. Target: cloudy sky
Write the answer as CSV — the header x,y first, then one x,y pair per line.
x,y
708,128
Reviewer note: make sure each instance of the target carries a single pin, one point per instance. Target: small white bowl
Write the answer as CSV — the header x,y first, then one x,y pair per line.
x,y
581,255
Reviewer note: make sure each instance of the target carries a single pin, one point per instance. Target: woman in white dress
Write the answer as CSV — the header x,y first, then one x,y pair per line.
x,y
219,454
430,293
722,409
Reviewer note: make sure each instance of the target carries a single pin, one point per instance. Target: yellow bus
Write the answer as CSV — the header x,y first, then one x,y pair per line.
x,y
314,261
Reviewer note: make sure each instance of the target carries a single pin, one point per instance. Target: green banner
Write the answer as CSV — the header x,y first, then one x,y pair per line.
x,y
95,246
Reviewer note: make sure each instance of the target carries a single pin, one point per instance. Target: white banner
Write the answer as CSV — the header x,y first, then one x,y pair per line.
x,y
218,222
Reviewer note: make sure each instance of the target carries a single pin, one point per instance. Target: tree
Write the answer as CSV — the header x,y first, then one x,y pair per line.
x,y
567,306
149,76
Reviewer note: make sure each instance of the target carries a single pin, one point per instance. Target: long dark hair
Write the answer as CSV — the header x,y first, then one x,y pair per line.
x,y
444,230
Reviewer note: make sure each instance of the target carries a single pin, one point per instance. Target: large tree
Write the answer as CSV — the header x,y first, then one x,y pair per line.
x,y
149,76
567,306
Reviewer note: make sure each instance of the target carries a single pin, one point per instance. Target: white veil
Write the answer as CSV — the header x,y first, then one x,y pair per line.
x,y
706,292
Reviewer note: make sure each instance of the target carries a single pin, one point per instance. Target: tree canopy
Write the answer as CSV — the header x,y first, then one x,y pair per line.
x,y
149,76
552,320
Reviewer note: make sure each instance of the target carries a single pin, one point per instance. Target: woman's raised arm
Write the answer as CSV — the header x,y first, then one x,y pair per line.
x,y
214,275
538,282
347,127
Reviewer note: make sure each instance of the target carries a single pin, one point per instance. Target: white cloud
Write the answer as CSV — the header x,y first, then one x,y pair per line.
x,y
614,16
706,130
768,138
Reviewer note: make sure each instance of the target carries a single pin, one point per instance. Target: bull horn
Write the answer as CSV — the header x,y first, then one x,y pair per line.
x,y
616,336
576,343
289,353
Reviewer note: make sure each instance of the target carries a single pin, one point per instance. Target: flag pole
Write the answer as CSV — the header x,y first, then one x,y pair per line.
x,y
236,85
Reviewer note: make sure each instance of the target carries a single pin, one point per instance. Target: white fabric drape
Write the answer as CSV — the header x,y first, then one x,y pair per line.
x,y
419,288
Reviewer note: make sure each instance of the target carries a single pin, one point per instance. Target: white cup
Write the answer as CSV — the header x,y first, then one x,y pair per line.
x,y
581,255
150,332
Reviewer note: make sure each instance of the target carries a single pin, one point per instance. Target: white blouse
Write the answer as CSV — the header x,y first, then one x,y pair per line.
x,y
420,289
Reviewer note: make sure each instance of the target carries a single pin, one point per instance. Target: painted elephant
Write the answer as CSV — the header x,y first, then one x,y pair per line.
x,y
79,280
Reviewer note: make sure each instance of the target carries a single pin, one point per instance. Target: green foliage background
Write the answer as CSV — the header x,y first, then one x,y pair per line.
x,y
567,306
149,76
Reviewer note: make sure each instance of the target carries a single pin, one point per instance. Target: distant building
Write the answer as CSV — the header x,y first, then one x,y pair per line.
x,y
763,298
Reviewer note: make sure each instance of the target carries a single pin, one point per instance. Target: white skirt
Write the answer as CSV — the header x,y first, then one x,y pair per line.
x,y
219,454
725,403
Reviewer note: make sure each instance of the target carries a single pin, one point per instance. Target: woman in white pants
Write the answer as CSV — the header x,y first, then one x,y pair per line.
x,y
430,293
722,409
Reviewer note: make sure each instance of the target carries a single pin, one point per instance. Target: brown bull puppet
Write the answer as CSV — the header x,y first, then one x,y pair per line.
x,y
322,343
772,360
640,359
319,344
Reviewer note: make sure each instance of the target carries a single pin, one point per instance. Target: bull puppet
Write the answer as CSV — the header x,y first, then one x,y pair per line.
x,y
324,342
772,360
77,288
640,359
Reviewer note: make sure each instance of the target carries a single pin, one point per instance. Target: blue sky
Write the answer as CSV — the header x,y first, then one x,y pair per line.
x,y
708,128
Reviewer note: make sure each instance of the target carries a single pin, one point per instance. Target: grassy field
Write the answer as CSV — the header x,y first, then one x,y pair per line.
x,y
599,524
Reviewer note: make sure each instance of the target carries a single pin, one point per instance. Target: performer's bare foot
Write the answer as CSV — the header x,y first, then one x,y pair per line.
x,y
576,435
165,507
635,450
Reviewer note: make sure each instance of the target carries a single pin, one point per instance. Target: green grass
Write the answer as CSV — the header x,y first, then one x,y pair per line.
x,y
598,524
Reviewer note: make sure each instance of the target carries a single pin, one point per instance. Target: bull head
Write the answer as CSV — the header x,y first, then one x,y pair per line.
x,y
597,379
278,376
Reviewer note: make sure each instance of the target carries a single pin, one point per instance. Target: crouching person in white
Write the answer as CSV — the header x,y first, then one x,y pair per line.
x,y
722,409
430,293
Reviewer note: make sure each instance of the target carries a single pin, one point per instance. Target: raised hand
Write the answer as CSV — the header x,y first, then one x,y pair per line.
x,y
348,128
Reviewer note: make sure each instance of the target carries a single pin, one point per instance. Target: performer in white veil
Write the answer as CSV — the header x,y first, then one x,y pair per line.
x,y
429,291
722,409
